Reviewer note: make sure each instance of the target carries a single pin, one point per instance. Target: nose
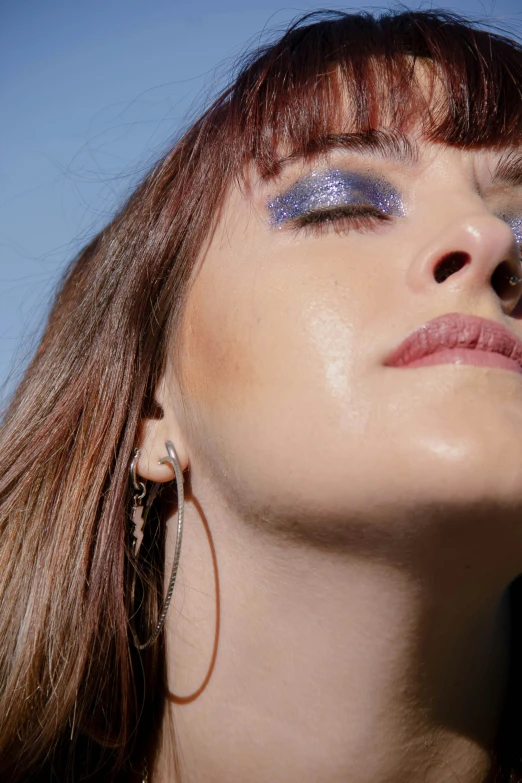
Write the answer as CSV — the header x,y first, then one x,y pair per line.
x,y
473,252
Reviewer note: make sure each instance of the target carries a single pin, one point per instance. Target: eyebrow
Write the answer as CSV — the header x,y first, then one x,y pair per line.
x,y
508,170
388,144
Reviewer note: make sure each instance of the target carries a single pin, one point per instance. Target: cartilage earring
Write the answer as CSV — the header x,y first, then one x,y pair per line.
x,y
138,502
514,280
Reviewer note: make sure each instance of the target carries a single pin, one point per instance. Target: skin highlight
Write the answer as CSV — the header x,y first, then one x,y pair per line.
x,y
365,518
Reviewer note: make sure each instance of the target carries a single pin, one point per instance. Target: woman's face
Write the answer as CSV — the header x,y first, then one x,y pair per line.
x,y
310,283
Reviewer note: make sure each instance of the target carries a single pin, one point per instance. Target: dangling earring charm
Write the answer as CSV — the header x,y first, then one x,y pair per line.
x,y
139,492
138,503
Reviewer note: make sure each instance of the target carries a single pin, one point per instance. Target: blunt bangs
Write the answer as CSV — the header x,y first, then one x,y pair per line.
x,y
337,73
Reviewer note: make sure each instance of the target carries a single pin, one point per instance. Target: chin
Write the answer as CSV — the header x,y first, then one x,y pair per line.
x,y
460,436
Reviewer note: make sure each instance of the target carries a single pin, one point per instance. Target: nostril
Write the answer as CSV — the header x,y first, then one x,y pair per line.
x,y
502,281
450,264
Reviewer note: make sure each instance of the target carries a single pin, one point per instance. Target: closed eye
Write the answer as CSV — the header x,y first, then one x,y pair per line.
x,y
341,220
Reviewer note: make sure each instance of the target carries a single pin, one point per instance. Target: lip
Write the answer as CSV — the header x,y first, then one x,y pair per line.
x,y
456,338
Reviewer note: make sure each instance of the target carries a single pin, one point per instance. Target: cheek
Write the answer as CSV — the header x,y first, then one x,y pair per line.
x,y
249,348
274,373
219,366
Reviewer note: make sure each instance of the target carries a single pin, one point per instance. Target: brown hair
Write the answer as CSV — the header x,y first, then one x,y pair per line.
x,y
76,699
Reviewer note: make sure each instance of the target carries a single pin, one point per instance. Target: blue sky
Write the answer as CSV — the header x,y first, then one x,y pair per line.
x,y
91,93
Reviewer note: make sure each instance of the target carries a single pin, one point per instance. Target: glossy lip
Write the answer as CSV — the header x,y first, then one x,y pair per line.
x,y
456,331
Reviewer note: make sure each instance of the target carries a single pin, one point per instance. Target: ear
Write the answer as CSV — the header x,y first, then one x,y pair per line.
x,y
153,435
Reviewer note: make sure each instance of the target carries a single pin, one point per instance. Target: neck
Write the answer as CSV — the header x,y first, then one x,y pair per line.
x,y
330,666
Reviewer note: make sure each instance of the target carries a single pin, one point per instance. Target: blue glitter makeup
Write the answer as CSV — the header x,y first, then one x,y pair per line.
x,y
515,225
322,190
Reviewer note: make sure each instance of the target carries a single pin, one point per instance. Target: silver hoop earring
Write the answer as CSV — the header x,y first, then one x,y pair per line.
x,y
139,487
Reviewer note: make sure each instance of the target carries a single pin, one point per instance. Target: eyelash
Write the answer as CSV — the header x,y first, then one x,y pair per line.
x,y
341,219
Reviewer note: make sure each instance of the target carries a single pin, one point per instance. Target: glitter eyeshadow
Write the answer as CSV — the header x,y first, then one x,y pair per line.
x,y
515,225
322,190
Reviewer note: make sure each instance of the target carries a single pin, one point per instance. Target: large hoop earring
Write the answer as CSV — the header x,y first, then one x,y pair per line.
x,y
171,459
